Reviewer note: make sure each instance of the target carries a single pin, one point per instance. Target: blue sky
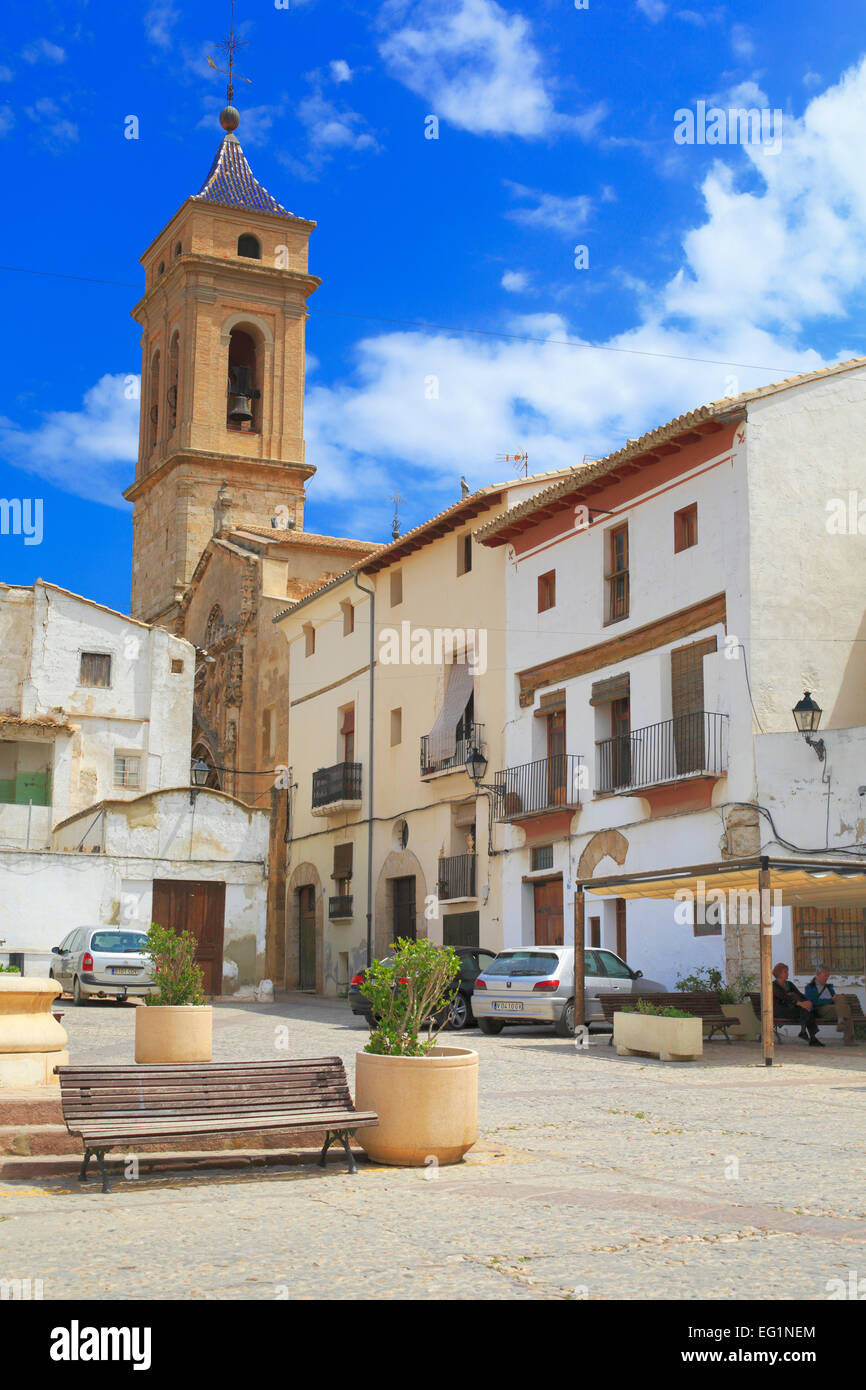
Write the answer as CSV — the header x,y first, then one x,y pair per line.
x,y
711,268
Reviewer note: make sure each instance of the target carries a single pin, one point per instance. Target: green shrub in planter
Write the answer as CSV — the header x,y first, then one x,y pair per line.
x,y
9,970
179,979
417,983
645,1006
708,979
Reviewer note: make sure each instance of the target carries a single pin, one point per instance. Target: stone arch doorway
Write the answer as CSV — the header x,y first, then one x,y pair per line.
x,y
395,894
304,930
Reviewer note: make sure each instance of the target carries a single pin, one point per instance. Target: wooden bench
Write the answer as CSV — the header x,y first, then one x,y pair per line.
x,y
858,1017
702,1005
105,1106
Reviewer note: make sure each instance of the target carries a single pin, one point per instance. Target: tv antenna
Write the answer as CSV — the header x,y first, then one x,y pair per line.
x,y
522,461
395,525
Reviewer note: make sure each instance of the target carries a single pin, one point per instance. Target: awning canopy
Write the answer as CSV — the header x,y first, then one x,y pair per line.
x,y
816,884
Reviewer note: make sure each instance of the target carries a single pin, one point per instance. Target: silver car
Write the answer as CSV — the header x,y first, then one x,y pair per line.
x,y
535,984
103,963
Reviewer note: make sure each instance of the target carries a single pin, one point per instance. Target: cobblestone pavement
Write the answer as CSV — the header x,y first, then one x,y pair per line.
x,y
595,1177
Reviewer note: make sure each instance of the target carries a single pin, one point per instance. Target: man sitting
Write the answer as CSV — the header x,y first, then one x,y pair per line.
x,y
825,1005
791,1006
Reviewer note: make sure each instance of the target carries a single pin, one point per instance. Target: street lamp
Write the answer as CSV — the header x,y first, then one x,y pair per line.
x,y
807,717
199,773
476,766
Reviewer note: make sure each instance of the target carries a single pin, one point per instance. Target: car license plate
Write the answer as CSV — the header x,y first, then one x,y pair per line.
x,y
125,969
509,1008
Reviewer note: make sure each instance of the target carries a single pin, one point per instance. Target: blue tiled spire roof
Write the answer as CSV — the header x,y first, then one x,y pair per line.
x,y
232,181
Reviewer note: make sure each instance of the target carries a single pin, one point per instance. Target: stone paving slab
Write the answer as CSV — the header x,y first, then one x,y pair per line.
x,y
595,1177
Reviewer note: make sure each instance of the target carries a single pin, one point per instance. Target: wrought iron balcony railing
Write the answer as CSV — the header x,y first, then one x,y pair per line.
x,y
691,745
469,736
340,907
549,784
342,782
456,876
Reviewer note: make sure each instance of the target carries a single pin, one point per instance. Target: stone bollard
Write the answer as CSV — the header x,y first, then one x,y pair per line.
x,y
32,1042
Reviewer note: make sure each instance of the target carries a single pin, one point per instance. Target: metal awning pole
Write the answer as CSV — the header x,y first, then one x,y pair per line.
x,y
765,928
579,957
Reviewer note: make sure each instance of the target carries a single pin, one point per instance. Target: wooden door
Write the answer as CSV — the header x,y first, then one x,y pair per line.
x,y
621,943
307,936
556,758
404,908
687,704
197,906
620,731
548,913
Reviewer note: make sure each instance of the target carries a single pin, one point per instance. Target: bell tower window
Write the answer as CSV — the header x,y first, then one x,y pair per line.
x,y
171,393
249,245
153,410
242,409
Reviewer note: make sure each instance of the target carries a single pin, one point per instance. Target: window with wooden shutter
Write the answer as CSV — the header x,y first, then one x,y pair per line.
x,y
616,576
687,704
95,670
343,861
834,937
686,528
546,591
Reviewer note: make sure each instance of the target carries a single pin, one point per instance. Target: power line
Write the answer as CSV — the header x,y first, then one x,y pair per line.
x,y
452,328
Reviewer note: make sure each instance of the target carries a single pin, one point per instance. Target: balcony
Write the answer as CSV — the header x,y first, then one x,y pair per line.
x,y
469,736
456,877
550,784
340,909
337,789
690,746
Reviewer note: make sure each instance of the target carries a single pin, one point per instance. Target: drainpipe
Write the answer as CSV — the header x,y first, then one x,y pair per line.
x,y
371,593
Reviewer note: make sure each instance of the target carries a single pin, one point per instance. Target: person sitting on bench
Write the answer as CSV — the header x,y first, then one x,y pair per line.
x,y
790,1006
825,1005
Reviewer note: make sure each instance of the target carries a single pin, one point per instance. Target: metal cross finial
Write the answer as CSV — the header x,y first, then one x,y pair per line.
x,y
229,46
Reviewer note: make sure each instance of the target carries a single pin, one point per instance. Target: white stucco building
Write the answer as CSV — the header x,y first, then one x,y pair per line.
x,y
667,607
98,822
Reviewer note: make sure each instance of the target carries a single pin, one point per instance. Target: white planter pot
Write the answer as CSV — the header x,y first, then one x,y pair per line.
x,y
748,1025
427,1106
669,1039
166,1033
32,1042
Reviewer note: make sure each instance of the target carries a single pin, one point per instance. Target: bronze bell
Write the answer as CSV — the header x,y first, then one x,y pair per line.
x,y
240,393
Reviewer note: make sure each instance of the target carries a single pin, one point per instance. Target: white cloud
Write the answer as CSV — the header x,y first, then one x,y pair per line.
x,y
742,42
159,21
775,261
515,281
43,49
549,210
477,67
330,129
340,70
653,9
90,452
7,120
55,129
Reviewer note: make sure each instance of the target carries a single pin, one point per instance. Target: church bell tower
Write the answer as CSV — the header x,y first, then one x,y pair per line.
x,y
222,379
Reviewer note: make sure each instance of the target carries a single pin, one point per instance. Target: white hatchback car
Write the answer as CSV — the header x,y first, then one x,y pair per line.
x,y
535,984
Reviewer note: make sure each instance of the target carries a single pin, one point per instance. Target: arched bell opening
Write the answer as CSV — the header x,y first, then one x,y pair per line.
x,y
243,403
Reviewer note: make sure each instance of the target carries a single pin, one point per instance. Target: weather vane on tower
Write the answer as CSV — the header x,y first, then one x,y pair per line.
x,y
230,116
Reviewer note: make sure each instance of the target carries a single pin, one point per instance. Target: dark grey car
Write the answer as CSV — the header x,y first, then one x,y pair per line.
x,y
103,963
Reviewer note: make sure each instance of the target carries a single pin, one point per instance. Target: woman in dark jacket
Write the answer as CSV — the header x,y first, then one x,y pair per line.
x,y
791,1006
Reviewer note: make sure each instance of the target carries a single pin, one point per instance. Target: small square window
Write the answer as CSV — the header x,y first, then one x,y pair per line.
x,y
396,727
396,588
686,528
541,857
95,670
546,591
464,554
127,770
176,666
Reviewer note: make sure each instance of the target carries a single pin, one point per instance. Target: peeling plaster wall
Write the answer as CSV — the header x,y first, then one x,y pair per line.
x,y
42,896
146,710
